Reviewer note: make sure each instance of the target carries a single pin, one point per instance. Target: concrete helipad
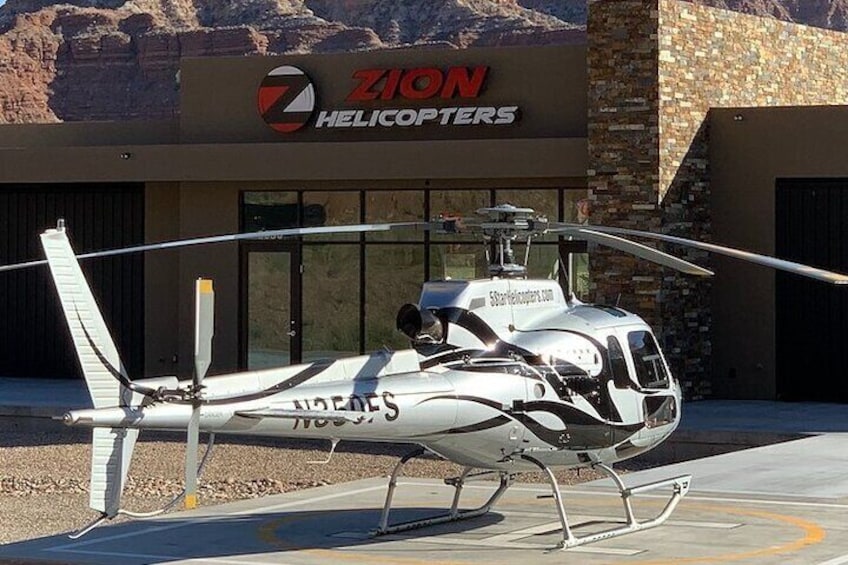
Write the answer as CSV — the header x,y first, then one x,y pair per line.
x,y
785,503
331,525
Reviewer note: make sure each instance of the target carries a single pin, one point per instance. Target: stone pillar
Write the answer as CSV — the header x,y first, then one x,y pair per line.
x,y
624,171
624,144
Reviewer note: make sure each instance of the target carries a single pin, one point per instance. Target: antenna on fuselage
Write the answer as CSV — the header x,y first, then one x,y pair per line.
x,y
503,225
562,274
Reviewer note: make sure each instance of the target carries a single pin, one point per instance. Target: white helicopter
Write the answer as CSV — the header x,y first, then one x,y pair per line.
x,y
505,375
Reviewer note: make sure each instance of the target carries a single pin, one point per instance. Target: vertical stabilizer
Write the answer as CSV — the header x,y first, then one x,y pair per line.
x,y
98,357
102,368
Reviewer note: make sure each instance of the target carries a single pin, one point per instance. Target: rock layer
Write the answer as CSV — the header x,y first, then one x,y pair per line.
x,y
113,60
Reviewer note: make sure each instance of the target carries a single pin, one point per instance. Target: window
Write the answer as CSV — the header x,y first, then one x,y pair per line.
x,y
618,365
393,275
650,369
330,325
576,209
349,286
269,211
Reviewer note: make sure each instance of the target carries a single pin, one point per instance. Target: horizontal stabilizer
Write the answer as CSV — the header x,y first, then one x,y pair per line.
x,y
329,415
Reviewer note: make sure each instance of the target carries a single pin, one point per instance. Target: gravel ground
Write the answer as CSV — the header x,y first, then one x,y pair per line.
x,y
44,474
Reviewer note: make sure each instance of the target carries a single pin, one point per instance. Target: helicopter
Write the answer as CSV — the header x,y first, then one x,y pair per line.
x,y
504,375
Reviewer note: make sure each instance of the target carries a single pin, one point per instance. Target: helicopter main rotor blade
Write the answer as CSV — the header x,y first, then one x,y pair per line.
x,y
267,234
633,248
765,260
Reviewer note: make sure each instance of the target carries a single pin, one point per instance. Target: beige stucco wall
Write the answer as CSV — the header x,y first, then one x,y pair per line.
x,y
210,209
161,273
747,157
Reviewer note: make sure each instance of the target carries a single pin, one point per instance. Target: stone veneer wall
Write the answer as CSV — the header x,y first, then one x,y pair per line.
x,y
718,58
656,67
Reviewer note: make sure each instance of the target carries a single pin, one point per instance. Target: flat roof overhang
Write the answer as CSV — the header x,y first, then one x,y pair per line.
x,y
385,160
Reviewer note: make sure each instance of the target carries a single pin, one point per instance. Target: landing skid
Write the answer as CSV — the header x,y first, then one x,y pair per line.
x,y
680,486
454,515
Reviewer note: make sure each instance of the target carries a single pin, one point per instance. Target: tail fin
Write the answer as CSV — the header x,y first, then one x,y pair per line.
x,y
111,453
98,357
102,368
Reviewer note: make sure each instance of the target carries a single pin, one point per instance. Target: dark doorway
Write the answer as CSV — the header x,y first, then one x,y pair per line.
x,y
34,339
812,317
271,311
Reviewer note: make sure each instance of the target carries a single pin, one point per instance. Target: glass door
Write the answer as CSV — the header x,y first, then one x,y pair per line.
x,y
271,316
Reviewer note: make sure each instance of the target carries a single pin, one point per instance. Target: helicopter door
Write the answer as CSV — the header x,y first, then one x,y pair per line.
x,y
270,305
623,398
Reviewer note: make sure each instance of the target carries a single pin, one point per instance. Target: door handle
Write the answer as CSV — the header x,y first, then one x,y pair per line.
x,y
291,333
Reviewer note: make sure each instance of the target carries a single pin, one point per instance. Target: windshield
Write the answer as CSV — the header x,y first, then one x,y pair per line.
x,y
650,369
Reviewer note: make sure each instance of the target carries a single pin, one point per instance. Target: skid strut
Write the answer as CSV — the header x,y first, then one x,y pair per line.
x,y
454,515
680,486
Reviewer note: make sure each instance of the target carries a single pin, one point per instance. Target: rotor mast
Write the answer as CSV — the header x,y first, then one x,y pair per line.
x,y
502,225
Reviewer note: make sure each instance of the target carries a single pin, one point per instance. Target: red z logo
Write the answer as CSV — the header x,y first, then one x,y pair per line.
x,y
286,99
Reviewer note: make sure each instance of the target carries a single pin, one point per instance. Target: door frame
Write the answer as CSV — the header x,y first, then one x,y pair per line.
x,y
293,248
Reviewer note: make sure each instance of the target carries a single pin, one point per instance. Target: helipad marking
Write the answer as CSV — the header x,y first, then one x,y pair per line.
x,y
674,523
71,547
511,540
268,534
691,496
443,540
604,491
121,554
180,559
505,541
767,502
577,518
813,534
253,561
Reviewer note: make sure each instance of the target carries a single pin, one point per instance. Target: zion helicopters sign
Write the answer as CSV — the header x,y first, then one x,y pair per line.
x,y
384,98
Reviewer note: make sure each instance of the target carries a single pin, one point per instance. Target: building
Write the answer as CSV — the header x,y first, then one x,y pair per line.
x,y
675,117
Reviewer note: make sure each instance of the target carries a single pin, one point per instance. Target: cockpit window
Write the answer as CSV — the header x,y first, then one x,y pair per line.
x,y
650,370
618,365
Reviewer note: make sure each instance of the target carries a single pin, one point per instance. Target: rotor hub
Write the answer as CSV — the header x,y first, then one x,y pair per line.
x,y
502,225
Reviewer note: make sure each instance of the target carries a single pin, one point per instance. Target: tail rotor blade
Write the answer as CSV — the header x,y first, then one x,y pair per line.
x,y
204,328
203,332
